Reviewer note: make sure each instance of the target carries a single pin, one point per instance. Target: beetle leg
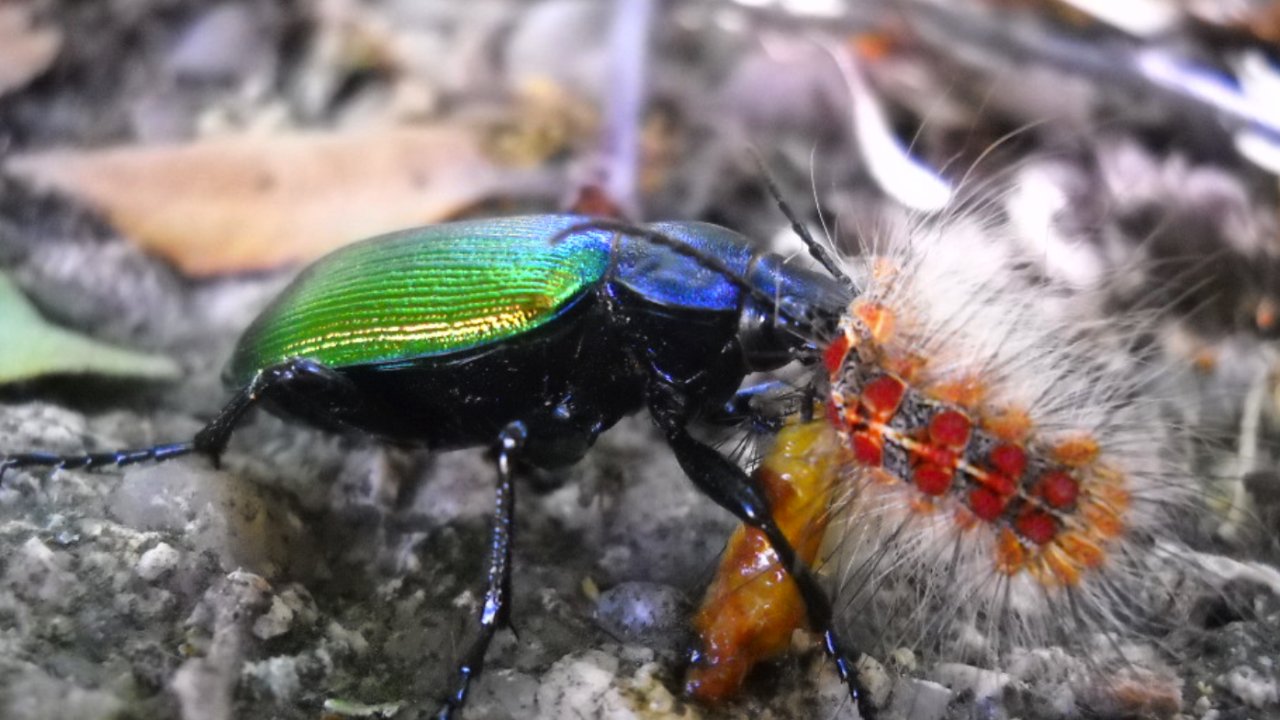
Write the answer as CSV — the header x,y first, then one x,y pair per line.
x,y
735,490
119,458
212,438
732,413
497,598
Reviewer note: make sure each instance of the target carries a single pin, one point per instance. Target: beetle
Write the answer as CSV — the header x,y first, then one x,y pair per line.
x,y
533,334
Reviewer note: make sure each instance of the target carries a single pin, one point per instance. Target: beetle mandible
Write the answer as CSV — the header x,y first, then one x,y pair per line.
x,y
533,334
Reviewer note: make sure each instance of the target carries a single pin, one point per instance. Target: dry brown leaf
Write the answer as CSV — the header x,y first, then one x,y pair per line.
x,y
253,203
25,50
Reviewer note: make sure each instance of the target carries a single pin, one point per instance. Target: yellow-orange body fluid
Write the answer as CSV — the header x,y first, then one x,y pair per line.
x,y
751,608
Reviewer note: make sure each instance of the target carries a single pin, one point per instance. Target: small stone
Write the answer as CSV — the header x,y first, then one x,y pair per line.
x,y
277,677
157,561
275,621
919,700
577,684
903,659
225,42
348,640
648,613
1255,689
876,679
980,682
297,599
38,573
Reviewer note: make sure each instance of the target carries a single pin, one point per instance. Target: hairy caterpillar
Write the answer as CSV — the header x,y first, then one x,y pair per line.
x,y
997,484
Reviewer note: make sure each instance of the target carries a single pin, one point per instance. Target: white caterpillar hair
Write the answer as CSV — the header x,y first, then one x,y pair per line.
x,y
1068,562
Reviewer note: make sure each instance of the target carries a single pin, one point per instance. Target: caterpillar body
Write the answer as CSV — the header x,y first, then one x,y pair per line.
x,y
992,478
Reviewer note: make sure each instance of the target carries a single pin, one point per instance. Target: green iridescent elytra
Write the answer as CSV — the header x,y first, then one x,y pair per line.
x,y
423,292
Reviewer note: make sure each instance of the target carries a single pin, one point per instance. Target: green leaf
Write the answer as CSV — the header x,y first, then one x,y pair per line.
x,y
30,347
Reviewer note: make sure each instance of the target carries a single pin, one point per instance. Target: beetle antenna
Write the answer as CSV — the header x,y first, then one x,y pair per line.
x,y
816,249
680,247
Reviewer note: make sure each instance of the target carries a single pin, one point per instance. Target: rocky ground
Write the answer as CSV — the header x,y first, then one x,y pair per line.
x,y
321,576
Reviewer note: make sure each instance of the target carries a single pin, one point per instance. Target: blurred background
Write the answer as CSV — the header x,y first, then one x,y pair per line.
x,y
166,166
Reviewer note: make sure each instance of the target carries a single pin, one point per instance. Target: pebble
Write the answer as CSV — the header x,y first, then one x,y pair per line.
x,y
157,561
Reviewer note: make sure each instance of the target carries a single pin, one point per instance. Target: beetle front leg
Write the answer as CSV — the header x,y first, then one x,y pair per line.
x,y
321,381
740,408
211,440
497,598
734,490
117,458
